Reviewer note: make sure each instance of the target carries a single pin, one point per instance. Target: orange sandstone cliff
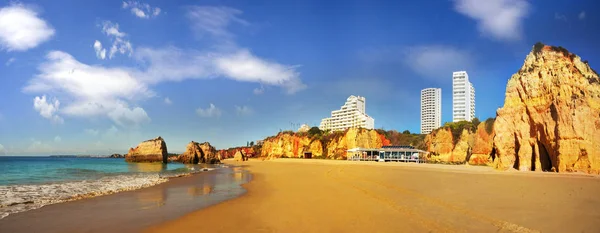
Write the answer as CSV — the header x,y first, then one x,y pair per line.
x,y
331,145
550,120
153,150
461,145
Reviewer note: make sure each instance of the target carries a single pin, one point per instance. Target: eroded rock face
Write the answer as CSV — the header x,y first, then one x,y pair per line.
x,y
472,147
153,150
239,156
291,146
331,146
550,120
199,153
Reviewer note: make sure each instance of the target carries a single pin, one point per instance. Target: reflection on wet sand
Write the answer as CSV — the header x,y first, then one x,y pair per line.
x,y
200,191
238,174
146,167
151,198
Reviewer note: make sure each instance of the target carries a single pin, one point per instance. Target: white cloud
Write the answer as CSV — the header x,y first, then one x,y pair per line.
x,y
437,62
47,109
141,10
100,52
10,61
211,111
119,43
92,132
174,64
124,116
243,110
581,15
21,28
92,90
168,101
2,150
500,19
558,16
57,139
213,21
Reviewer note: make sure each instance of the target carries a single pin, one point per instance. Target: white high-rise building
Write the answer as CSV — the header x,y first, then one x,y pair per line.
x,y
351,115
431,109
463,97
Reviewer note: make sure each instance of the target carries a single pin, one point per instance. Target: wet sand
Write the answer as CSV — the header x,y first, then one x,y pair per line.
x,y
292,195
133,211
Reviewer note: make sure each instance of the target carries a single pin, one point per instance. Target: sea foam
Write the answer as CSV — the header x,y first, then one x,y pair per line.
x,y
19,198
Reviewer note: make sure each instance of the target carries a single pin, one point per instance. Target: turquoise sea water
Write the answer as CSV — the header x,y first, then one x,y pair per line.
x,y
31,182
18,170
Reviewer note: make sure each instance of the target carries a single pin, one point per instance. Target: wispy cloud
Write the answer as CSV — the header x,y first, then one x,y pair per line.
x,y
2,150
558,16
10,61
211,111
141,10
243,110
437,62
21,28
168,101
581,15
57,139
100,52
258,91
499,19
213,21
119,43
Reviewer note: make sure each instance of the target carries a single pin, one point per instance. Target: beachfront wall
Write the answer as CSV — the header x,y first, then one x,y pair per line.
x,y
386,154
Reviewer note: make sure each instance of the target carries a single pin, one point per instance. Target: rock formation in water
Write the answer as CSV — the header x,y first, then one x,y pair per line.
x,y
331,145
116,156
461,145
199,153
550,120
153,150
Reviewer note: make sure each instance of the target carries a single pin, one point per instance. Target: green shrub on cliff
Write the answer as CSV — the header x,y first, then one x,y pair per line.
x,y
489,125
458,127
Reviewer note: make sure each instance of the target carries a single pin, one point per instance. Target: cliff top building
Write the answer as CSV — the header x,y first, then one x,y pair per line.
x,y
431,109
463,97
351,115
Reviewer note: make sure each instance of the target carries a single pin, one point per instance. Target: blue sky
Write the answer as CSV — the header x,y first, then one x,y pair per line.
x,y
101,76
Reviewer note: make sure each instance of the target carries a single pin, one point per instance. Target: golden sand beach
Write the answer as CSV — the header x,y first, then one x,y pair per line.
x,y
294,195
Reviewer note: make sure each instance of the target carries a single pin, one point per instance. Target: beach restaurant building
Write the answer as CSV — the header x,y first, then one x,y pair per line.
x,y
386,153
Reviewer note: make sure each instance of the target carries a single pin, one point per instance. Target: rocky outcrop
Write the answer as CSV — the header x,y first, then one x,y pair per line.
x,y
469,146
550,120
199,153
116,156
240,156
328,145
153,150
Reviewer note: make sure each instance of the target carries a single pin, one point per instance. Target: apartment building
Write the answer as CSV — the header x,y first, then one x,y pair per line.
x,y
351,115
463,97
431,109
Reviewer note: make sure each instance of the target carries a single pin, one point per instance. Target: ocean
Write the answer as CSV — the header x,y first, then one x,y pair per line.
x,y
32,182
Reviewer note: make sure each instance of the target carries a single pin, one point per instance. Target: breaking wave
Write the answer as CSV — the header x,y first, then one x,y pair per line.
x,y
19,198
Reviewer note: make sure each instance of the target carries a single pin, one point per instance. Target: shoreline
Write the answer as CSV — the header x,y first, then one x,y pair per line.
x,y
136,209
295,195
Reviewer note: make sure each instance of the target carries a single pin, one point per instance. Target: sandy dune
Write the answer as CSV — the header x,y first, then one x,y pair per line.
x,y
292,195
